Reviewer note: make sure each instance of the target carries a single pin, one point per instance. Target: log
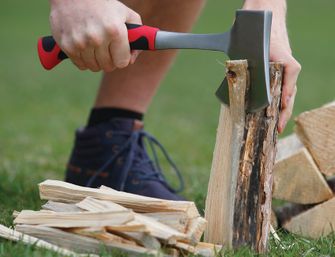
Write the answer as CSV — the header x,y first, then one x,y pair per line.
x,y
238,204
80,243
69,193
297,179
153,227
316,130
315,222
74,219
17,236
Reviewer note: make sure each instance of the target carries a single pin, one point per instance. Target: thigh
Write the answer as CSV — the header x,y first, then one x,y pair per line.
x,y
167,14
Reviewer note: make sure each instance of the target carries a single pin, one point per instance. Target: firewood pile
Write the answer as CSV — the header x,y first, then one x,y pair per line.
x,y
87,220
304,174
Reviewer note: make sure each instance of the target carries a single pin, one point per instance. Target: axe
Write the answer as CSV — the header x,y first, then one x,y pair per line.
x,y
248,38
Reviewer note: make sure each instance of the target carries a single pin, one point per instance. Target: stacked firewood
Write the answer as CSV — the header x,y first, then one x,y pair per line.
x,y
304,174
88,220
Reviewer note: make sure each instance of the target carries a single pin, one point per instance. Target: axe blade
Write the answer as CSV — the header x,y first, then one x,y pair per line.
x,y
250,39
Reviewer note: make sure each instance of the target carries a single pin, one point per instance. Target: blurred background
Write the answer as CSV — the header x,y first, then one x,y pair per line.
x,y
39,110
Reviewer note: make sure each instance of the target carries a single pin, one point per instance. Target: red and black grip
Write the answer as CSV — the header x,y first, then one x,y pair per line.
x,y
140,37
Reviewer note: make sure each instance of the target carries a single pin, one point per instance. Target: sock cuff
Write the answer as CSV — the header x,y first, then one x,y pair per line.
x,y
105,114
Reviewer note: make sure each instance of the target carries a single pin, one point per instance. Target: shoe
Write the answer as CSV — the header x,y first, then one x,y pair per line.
x,y
115,154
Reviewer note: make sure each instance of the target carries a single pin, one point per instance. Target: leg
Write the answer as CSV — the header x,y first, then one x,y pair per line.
x,y
133,88
111,149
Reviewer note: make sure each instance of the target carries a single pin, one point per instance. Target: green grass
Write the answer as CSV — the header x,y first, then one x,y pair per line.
x,y
40,110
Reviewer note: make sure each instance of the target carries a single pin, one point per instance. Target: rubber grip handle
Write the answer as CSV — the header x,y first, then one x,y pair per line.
x,y
140,37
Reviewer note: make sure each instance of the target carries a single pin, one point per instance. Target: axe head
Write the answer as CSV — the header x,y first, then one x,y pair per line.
x,y
249,38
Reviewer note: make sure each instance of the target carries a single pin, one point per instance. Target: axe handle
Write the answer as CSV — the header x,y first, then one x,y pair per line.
x,y
140,37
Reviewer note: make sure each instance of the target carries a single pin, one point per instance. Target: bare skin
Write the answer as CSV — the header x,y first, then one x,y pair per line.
x,y
89,31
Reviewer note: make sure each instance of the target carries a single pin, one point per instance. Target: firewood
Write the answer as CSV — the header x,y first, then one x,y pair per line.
x,y
176,220
17,236
91,204
296,177
60,207
80,243
142,238
73,219
153,227
185,247
195,229
316,129
238,205
100,233
65,192
207,249
315,222
287,211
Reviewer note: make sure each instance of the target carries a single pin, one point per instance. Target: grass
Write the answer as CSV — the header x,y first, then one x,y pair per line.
x,y
40,110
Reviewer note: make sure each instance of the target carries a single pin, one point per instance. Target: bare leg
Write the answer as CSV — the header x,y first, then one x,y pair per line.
x,y
132,88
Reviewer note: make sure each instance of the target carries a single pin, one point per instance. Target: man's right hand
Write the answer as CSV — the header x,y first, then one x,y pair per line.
x,y
93,32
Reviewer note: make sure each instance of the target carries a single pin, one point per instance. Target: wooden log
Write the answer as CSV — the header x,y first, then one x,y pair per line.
x,y
74,219
297,179
80,243
17,236
153,227
208,250
238,205
315,222
60,207
69,193
176,220
316,130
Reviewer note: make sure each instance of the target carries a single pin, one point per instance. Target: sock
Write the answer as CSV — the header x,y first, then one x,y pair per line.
x,y
101,115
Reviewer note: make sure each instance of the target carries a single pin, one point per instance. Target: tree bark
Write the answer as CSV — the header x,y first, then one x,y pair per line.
x,y
238,205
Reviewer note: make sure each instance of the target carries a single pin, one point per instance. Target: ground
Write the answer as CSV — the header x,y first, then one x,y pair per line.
x,y
40,110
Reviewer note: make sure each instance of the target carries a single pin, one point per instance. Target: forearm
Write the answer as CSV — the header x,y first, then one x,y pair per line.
x,y
278,8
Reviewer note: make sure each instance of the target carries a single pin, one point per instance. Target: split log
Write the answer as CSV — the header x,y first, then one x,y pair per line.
x,y
238,205
316,130
176,220
74,219
153,227
315,222
297,179
65,192
17,236
208,250
79,243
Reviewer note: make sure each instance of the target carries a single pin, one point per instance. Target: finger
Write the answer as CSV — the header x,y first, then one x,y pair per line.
x,y
134,55
286,113
89,59
119,46
291,73
134,18
73,52
104,59
78,61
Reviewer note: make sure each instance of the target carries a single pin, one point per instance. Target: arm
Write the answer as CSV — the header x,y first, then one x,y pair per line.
x,y
93,32
280,50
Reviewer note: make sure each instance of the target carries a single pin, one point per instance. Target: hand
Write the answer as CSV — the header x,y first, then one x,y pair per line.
x,y
280,51
93,32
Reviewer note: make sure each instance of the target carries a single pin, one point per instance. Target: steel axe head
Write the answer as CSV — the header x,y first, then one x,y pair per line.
x,y
249,38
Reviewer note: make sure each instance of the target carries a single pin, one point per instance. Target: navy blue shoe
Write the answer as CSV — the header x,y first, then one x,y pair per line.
x,y
114,154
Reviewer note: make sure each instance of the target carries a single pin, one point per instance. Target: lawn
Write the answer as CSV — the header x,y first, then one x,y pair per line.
x,y
40,110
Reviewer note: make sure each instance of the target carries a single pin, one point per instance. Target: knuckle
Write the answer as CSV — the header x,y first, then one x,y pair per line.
x,y
79,44
296,65
94,39
113,31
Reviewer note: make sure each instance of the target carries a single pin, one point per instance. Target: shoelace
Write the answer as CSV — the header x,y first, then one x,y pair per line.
x,y
133,145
